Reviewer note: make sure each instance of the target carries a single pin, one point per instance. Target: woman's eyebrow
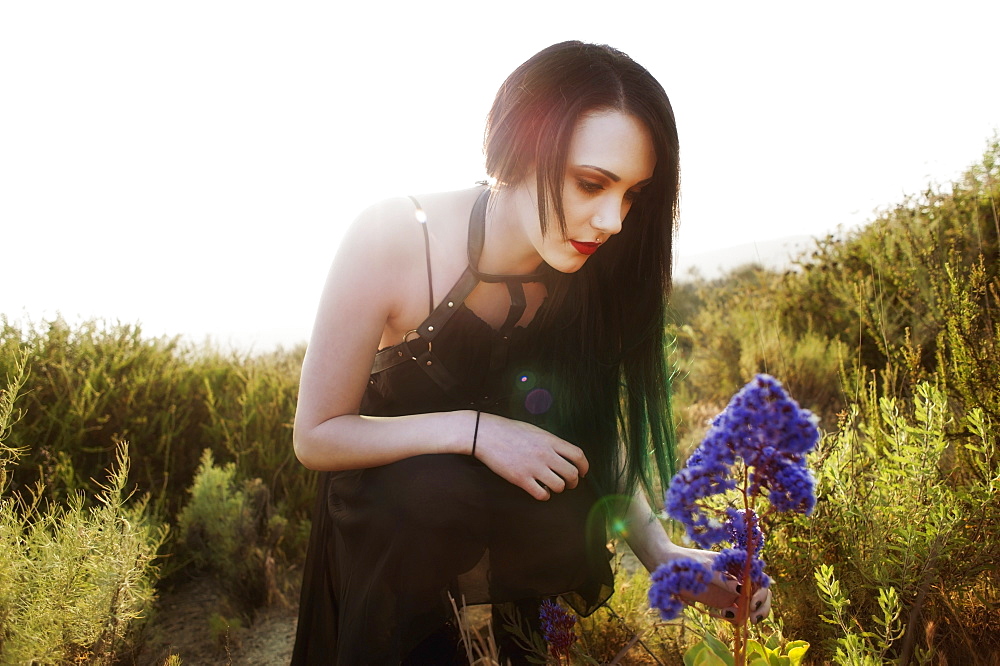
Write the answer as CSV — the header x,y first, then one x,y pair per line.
x,y
613,176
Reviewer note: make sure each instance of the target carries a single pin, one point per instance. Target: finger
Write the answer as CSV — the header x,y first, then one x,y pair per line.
x,y
575,455
538,491
716,597
760,597
552,481
727,582
760,605
727,614
566,471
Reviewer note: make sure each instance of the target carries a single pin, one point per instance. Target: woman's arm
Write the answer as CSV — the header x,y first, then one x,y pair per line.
x,y
365,295
650,543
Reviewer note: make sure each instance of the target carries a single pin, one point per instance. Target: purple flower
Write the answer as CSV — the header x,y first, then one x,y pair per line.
x,y
764,434
738,529
671,579
733,562
792,488
688,487
557,627
771,434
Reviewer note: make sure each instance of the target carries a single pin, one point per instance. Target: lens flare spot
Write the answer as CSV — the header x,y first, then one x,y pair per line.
x,y
525,381
620,528
538,401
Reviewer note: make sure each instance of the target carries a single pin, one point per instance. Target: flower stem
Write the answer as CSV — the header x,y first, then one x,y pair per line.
x,y
740,633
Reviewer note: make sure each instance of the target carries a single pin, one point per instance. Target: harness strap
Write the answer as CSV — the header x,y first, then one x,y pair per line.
x,y
501,347
428,330
477,237
420,348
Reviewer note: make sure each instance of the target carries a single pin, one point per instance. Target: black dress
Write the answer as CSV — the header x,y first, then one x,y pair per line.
x,y
390,543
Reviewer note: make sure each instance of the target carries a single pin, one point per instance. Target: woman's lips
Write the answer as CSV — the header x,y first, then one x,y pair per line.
x,y
585,248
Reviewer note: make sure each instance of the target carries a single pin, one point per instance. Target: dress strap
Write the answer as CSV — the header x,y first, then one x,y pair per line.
x,y
422,219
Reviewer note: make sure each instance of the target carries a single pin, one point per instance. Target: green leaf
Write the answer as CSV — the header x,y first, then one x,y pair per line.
x,y
758,655
796,651
700,655
720,649
709,652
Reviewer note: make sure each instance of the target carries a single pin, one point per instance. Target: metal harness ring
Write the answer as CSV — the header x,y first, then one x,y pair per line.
x,y
407,343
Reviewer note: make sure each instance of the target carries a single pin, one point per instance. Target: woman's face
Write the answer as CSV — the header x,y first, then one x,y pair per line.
x,y
611,158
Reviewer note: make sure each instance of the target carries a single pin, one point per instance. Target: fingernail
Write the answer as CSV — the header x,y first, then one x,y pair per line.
x,y
729,615
758,619
759,604
739,588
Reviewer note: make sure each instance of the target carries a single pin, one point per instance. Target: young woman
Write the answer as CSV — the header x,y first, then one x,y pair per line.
x,y
486,375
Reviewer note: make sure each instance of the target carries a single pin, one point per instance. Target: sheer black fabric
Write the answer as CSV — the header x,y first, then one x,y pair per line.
x,y
390,543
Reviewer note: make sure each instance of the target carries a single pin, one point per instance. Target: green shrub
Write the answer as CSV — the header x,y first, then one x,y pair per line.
x,y
898,509
741,330
904,312
96,384
231,530
855,646
251,406
74,579
8,415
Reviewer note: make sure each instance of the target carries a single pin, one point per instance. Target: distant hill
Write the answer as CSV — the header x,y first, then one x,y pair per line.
x,y
776,253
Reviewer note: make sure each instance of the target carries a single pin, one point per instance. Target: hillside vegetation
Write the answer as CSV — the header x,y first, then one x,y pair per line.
x,y
891,333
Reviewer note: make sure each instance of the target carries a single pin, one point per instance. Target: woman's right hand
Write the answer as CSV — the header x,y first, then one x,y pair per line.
x,y
532,459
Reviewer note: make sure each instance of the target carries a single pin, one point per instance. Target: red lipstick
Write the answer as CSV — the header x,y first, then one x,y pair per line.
x,y
585,248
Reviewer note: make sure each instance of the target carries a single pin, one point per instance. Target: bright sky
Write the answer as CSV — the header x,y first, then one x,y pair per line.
x,y
191,165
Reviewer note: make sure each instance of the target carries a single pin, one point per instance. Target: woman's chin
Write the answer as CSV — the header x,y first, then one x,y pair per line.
x,y
565,264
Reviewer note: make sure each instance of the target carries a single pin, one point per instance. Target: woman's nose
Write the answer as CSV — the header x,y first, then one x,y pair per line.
x,y
607,222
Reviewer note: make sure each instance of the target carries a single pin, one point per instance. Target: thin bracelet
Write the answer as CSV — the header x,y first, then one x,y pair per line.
x,y
475,435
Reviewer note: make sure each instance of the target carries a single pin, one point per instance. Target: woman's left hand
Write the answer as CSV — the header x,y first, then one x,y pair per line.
x,y
723,592
653,547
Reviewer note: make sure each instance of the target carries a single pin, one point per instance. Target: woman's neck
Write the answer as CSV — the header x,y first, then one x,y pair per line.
x,y
511,219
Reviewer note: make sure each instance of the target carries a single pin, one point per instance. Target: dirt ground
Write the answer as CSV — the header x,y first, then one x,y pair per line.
x,y
194,623
182,625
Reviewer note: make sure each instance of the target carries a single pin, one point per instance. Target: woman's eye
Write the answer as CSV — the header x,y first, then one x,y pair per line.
x,y
588,186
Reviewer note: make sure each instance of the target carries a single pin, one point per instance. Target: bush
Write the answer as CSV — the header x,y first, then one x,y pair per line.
x,y
908,502
904,312
74,580
232,531
97,384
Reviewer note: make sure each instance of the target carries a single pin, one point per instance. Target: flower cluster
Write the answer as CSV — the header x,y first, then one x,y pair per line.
x,y
757,445
672,578
557,627
747,546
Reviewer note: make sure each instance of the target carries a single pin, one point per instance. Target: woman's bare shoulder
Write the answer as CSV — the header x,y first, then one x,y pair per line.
x,y
391,228
384,255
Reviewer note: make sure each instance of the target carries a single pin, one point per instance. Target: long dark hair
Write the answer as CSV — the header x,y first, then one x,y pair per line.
x,y
603,326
